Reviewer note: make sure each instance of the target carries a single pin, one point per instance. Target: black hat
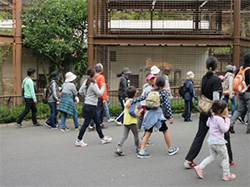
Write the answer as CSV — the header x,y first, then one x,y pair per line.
x,y
55,75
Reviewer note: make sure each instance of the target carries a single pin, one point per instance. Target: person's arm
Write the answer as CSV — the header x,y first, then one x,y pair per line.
x,y
123,87
96,89
53,90
102,81
166,103
32,89
74,91
224,124
131,110
231,87
83,90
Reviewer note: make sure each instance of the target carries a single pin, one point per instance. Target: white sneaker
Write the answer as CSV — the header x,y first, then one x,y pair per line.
x,y
118,122
106,139
111,120
80,143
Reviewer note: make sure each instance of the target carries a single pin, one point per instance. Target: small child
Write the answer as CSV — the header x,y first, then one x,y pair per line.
x,y
130,121
154,118
218,123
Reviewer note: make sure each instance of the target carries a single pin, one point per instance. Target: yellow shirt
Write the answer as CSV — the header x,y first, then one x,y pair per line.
x,y
129,119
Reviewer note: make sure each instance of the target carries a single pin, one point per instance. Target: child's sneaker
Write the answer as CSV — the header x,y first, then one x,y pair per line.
x,y
143,155
189,164
198,171
173,150
66,129
119,152
106,139
80,143
229,177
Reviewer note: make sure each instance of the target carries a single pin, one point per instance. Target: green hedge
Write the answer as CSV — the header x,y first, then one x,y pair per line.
x,y
43,111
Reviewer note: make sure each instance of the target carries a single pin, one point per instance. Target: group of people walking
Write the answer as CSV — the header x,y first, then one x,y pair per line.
x,y
137,113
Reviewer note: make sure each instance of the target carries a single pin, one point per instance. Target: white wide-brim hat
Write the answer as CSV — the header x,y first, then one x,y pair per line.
x,y
154,70
70,77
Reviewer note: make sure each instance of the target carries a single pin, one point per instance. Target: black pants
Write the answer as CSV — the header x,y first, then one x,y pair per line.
x,y
89,114
199,138
100,111
29,105
228,144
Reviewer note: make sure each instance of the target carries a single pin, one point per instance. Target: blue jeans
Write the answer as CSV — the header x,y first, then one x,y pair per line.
x,y
90,113
188,109
226,98
106,109
52,119
64,116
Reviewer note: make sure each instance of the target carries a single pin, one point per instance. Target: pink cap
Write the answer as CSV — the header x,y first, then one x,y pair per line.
x,y
150,76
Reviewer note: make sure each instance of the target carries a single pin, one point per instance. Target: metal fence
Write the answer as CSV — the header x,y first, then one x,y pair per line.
x,y
165,17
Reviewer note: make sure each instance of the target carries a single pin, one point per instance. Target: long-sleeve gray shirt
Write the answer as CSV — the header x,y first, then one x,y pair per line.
x,y
69,87
91,93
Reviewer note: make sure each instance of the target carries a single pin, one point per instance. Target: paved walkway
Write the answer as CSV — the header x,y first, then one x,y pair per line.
x,y
38,156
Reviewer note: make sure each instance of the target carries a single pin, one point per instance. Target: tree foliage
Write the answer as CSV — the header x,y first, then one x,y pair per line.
x,y
56,30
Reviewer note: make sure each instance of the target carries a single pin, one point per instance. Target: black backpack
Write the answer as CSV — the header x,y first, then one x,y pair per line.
x,y
182,91
46,93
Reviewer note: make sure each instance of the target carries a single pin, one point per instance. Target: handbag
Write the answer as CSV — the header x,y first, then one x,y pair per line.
x,y
204,105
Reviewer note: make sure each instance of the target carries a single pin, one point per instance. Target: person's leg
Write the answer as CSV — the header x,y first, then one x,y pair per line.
x,y
167,138
145,139
106,109
228,145
184,115
198,140
75,118
119,118
210,158
33,112
247,99
52,119
226,98
239,111
28,105
98,124
189,110
49,120
100,109
135,133
63,120
233,102
124,136
88,113
223,153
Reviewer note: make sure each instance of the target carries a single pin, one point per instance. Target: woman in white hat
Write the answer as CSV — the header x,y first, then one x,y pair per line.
x,y
66,106
188,96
